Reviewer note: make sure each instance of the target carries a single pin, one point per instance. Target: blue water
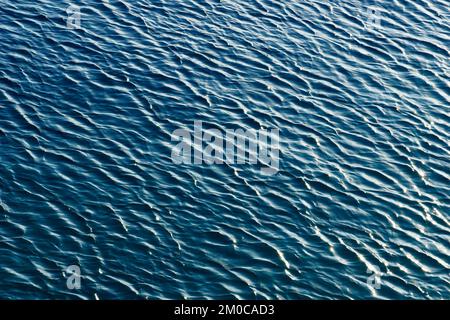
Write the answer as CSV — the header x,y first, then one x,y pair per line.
x,y
86,176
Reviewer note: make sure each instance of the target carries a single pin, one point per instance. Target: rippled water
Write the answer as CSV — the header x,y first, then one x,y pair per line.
x,y
361,99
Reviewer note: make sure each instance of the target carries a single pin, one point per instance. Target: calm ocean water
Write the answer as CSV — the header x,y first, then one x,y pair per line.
x,y
359,207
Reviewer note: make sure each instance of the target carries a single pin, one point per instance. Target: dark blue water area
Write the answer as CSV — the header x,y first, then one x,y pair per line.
x,y
359,208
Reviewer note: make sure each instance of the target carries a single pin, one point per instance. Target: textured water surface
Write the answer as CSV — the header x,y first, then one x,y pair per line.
x,y
87,179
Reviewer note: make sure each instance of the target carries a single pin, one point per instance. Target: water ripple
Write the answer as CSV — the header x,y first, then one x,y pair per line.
x,y
86,176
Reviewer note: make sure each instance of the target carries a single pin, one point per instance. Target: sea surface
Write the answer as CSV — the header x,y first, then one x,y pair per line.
x,y
359,208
